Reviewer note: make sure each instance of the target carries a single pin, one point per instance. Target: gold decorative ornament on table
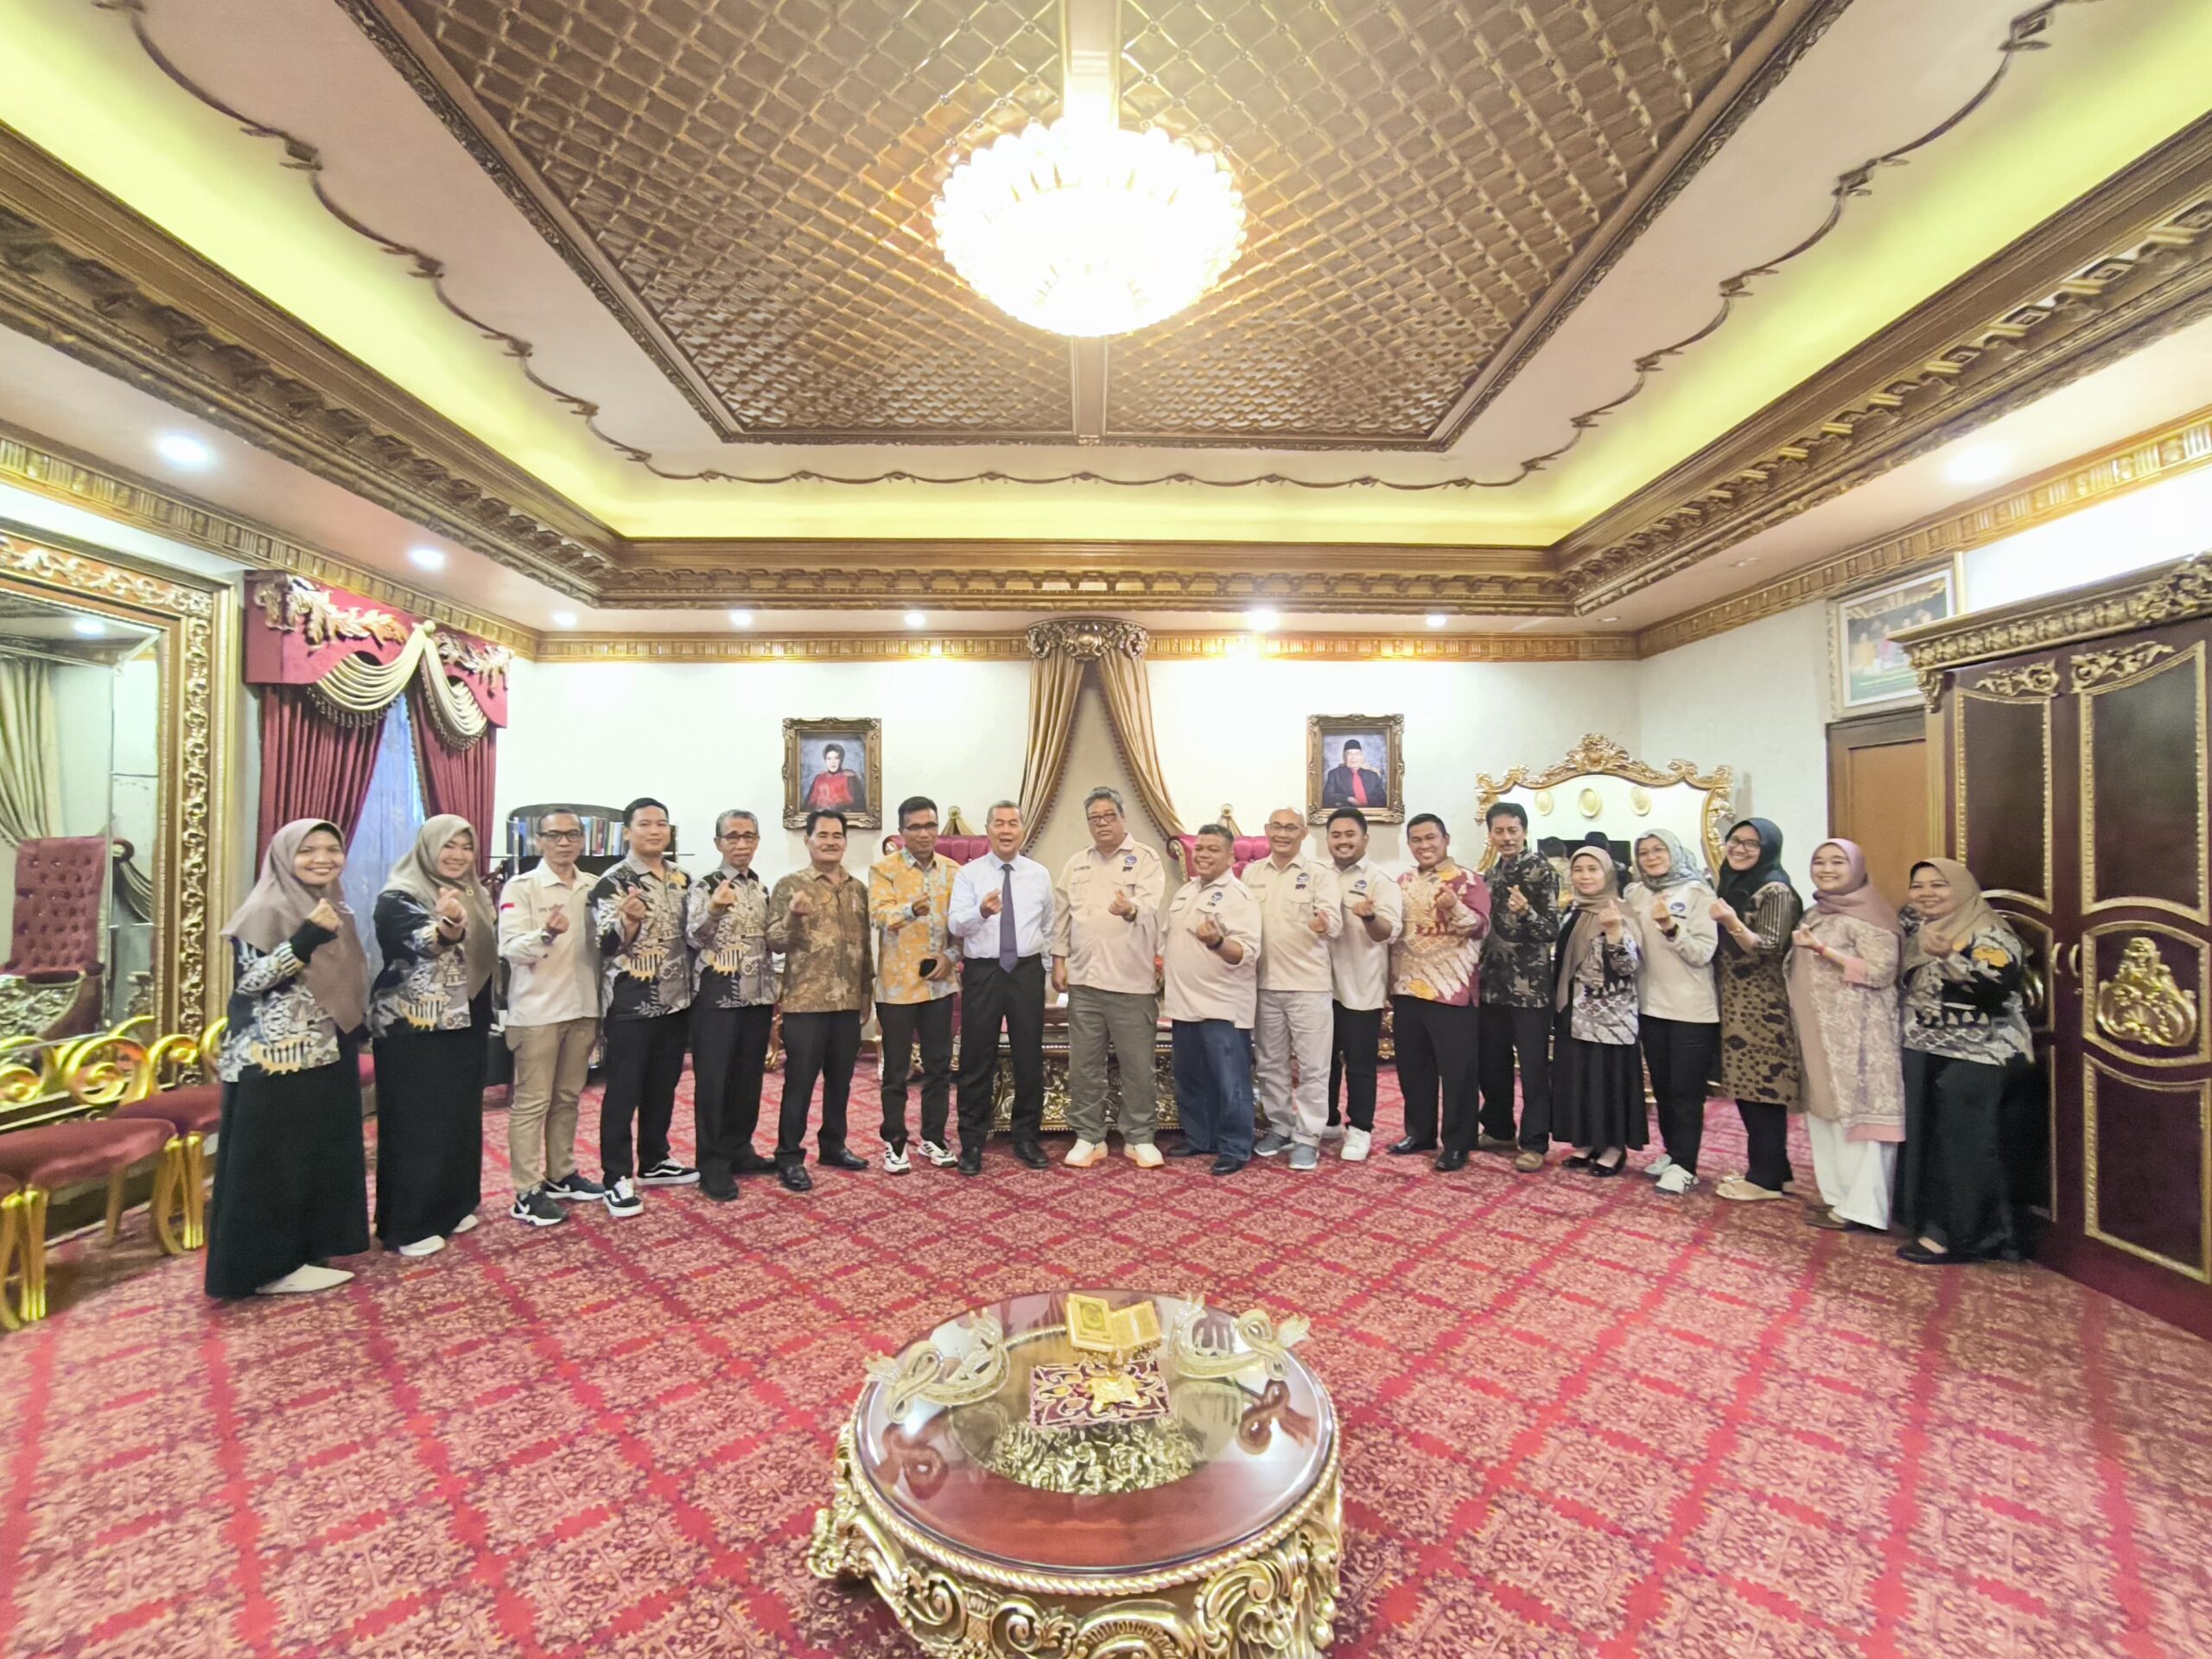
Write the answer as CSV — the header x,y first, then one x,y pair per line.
x,y
1211,1533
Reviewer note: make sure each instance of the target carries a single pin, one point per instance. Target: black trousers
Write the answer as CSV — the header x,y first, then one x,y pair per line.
x,y
1958,1170
1679,1054
644,1062
1766,1144
1352,1062
824,1046
1501,1033
991,998
901,1024
1436,1059
729,1055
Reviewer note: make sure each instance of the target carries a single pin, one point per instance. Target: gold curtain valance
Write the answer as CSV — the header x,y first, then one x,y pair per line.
x,y
1062,648
358,687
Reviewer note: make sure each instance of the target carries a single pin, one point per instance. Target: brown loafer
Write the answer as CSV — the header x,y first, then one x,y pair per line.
x,y
1828,1221
1737,1190
1528,1162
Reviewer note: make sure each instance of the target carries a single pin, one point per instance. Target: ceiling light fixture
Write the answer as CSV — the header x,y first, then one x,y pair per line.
x,y
1262,620
916,620
90,627
565,619
1080,226
426,558
740,619
1980,463
179,450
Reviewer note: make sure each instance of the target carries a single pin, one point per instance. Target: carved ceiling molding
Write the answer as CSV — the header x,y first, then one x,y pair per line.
x,y
2114,271
44,469
2169,452
1016,648
83,273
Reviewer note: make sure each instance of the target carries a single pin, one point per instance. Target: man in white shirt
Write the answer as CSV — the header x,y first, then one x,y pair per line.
x,y
1359,973
1107,934
1301,909
1211,948
552,1020
1001,914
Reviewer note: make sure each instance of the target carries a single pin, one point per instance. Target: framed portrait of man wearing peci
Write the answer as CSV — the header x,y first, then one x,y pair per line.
x,y
1354,760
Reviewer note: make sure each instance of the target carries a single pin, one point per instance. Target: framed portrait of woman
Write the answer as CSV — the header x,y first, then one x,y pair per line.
x,y
834,763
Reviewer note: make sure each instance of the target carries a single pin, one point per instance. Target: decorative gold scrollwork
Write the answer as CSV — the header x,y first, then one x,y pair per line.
x,y
2141,1003
2035,680
1266,1343
2098,667
927,1373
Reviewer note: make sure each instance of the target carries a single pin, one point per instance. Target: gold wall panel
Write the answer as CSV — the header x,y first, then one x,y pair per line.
x,y
2094,1072
2191,897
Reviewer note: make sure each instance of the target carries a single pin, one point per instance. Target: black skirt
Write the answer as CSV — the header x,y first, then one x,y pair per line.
x,y
291,1179
1596,1093
1952,1180
430,1131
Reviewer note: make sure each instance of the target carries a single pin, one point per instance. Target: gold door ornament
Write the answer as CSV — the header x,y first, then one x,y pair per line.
x,y
2141,1002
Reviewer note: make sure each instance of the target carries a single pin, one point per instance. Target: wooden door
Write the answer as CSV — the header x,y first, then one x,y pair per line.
x,y
1878,795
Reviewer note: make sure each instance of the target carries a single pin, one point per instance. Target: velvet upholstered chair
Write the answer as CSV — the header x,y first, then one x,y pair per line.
x,y
54,955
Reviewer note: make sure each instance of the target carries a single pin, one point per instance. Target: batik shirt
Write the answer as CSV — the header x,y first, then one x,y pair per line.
x,y
651,975
732,966
904,940
1601,1003
826,955
1517,955
1437,957
276,1024
423,984
1967,1006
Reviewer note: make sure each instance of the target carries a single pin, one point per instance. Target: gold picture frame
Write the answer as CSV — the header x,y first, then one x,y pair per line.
x,y
807,745
1598,757
1327,775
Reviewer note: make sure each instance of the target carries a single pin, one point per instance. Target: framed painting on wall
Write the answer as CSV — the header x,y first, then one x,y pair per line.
x,y
1354,760
834,763
1870,669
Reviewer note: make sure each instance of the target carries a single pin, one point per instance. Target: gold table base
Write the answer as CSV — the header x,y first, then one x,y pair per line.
x,y
1274,1596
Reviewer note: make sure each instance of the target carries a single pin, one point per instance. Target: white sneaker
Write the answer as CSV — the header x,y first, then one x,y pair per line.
x,y
622,1199
1659,1167
1355,1147
894,1160
942,1156
1083,1154
1676,1180
466,1225
301,1279
429,1246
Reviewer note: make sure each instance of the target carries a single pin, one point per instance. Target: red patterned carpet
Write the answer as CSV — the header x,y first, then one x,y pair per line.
x,y
1581,1418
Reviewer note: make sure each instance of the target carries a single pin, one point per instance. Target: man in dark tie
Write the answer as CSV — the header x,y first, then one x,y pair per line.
x,y
1352,784
1001,914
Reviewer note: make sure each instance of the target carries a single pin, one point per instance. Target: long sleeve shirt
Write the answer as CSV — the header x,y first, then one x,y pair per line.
x,y
648,976
276,1024
1202,982
905,941
1105,951
827,966
1438,958
1517,955
1359,963
423,984
549,980
1032,907
1676,982
1970,1005
1293,956
733,966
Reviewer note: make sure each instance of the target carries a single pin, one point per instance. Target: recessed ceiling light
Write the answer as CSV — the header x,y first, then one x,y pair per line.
x,y
1262,620
565,619
1608,619
90,626
917,620
1740,564
179,450
427,559
1978,463
1438,619
740,619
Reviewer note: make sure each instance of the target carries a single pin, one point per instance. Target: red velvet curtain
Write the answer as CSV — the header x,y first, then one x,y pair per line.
x,y
456,780
312,766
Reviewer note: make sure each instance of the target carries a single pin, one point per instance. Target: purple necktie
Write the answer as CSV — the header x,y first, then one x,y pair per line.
x,y
1008,937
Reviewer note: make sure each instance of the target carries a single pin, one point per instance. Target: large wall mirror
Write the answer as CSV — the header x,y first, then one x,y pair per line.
x,y
113,692
1599,789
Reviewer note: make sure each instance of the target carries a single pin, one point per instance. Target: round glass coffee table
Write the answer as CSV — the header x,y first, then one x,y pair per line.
x,y
1008,1493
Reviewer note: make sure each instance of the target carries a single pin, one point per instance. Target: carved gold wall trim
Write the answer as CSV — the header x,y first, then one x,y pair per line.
x,y
2170,451
45,468
2033,680
198,624
2125,264
1014,648
2136,1000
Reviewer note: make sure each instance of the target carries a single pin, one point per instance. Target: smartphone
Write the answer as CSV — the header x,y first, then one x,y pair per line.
x,y
929,966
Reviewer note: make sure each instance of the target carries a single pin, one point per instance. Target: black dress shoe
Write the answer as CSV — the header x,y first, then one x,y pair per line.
x,y
1919,1255
1579,1161
722,1189
1190,1150
842,1158
1603,1170
1030,1152
1407,1147
971,1161
750,1162
795,1178
1450,1158
1225,1165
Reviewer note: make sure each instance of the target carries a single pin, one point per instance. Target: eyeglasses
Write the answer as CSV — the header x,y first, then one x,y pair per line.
x,y
1738,844
560,835
1103,818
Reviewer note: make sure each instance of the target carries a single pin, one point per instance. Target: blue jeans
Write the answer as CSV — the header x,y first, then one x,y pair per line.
x,y
1213,1085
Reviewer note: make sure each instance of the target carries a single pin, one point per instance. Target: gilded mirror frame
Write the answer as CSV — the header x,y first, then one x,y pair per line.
x,y
194,617
1596,754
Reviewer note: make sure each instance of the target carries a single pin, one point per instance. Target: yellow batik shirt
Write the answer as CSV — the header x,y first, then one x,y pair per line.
x,y
904,940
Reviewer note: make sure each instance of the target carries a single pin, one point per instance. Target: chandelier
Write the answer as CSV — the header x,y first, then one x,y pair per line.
x,y
1084,228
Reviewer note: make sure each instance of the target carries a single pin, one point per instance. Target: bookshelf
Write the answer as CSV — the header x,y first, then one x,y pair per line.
x,y
605,844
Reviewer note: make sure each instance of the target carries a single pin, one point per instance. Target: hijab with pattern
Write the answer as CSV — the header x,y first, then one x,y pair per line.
x,y
338,973
1681,866
417,875
1582,937
1970,915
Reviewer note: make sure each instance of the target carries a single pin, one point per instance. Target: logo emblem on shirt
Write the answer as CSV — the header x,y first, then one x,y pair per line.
x,y
1128,861
1302,879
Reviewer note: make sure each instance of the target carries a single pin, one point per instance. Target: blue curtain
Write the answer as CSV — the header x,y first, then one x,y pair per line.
x,y
389,818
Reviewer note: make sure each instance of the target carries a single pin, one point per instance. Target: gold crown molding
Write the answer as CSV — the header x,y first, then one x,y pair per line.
x,y
81,272
44,469
1016,648
2155,457
2170,592
2118,269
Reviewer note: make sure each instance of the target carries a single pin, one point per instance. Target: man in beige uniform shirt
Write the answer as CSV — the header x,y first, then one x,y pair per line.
x,y
552,1020
1301,909
1106,934
1210,946
1359,969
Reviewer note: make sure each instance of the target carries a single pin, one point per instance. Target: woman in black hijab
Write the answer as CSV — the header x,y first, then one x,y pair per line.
x,y
1758,910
